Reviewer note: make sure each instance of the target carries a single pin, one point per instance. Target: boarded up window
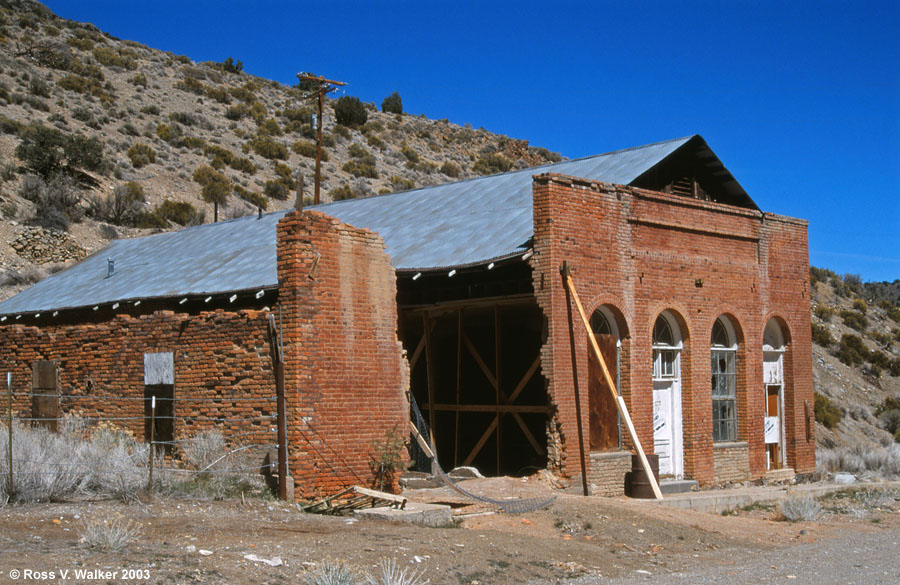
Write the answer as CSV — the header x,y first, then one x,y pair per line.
x,y
159,383
45,394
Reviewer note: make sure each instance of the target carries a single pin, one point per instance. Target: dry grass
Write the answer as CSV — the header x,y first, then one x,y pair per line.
x,y
108,534
800,508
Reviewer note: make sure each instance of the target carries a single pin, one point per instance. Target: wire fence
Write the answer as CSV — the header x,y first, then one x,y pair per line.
x,y
61,446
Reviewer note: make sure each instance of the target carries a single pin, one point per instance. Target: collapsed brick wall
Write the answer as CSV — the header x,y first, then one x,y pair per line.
x,y
642,252
217,355
345,371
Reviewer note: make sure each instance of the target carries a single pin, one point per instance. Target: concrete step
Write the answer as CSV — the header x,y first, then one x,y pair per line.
x,y
676,486
431,515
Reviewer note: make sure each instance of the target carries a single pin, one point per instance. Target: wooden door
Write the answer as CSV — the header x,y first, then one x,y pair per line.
x,y
604,424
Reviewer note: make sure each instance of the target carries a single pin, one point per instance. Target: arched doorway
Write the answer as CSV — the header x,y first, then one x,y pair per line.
x,y
668,441
773,381
605,428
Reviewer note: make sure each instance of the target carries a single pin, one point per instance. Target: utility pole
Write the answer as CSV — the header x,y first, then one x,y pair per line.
x,y
322,88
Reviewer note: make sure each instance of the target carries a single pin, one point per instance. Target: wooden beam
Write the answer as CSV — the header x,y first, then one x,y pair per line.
x,y
497,408
429,365
459,348
477,448
480,362
497,377
451,306
623,409
416,354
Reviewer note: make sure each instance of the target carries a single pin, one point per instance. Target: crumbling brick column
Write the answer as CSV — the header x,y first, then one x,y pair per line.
x,y
345,372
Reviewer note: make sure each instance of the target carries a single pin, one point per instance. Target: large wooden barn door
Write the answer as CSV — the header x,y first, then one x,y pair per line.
x,y
475,373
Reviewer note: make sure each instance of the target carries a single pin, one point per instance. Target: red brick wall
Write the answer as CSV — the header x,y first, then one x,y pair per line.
x,y
217,355
345,371
643,252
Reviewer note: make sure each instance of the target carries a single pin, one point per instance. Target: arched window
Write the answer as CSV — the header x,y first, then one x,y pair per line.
x,y
665,349
723,350
603,322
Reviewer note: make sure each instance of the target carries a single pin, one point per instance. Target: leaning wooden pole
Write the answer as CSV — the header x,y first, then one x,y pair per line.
x,y
620,402
578,424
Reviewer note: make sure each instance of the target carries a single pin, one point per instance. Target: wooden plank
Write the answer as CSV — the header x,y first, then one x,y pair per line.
x,y
477,448
480,362
43,374
502,409
499,380
399,500
459,348
420,440
623,409
525,379
429,365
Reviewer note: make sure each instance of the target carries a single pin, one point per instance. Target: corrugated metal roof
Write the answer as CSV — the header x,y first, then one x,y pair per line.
x,y
456,224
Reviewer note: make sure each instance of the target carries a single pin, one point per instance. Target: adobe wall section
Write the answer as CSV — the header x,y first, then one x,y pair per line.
x,y
644,252
346,374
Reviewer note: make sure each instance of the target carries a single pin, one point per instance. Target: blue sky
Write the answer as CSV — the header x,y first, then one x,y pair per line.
x,y
800,100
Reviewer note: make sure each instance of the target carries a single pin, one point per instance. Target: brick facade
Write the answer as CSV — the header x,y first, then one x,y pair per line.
x,y
642,252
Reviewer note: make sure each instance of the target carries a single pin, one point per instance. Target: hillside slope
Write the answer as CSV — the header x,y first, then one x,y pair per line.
x,y
167,136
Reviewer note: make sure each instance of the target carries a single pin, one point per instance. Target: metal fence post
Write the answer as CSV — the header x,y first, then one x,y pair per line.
x,y
152,437
10,426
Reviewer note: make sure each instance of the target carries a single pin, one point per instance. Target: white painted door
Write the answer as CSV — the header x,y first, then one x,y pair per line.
x,y
663,426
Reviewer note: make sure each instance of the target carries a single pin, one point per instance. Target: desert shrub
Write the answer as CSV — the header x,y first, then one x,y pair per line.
x,y
342,131
821,335
28,275
330,574
307,149
151,109
122,207
826,412
349,111
390,573
301,115
237,111
890,421
854,320
252,198
851,350
451,169
10,126
547,154
229,65
893,313
412,157
245,93
269,127
57,200
284,174
139,79
268,148
276,190
184,118
219,94
47,151
191,85
204,449
108,534
492,163
392,104
860,306
359,167
862,458
823,312
141,155
341,193
401,183
375,142
112,58
85,85
39,88
800,508
179,212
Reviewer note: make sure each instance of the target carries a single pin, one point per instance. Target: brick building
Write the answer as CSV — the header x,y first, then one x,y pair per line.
x,y
698,299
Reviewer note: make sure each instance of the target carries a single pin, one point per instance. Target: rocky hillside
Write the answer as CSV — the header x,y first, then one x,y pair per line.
x,y
103,138
856,360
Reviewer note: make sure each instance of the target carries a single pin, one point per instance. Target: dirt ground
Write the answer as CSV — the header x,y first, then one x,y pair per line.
x,y
184,541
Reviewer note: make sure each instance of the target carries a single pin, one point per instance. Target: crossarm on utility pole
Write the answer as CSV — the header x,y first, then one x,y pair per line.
x,y
623,409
